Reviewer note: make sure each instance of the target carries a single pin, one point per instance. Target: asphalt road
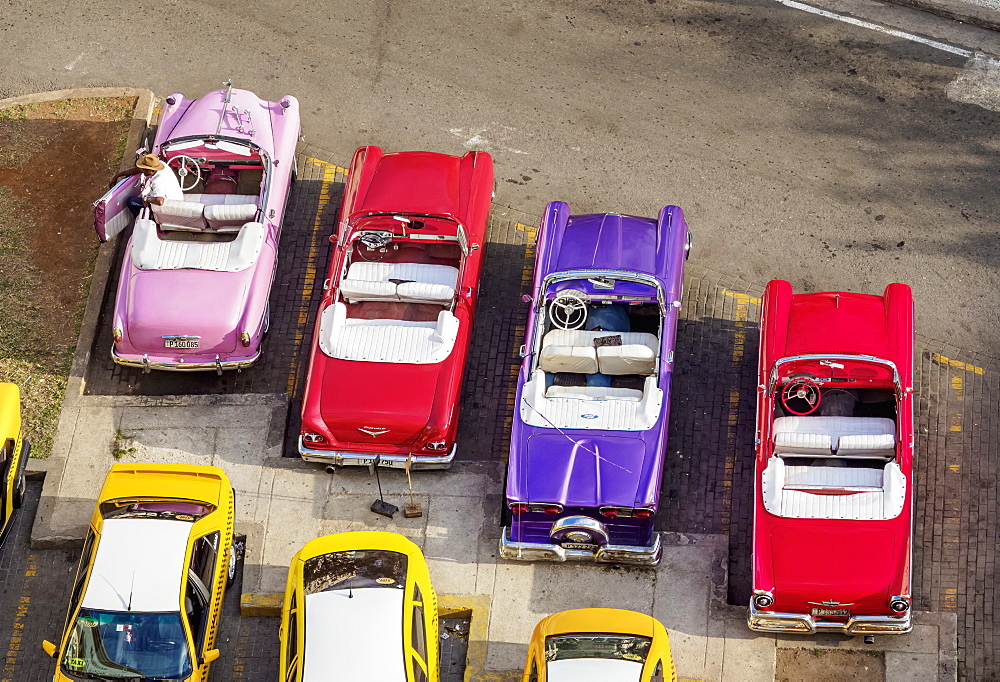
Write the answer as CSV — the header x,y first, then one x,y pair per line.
x,y
801,147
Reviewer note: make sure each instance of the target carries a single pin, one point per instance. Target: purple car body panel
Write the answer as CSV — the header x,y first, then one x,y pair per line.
x,y
230,132
576,473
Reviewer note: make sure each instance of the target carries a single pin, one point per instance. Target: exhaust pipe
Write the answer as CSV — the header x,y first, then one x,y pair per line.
x,y
331,468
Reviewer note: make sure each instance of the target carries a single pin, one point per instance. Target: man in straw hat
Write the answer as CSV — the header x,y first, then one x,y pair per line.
x,y
158,184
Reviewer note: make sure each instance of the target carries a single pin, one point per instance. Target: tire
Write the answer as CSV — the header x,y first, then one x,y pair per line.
x,y
235,551
19,486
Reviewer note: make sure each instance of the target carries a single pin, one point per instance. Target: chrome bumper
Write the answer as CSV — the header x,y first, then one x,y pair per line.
x,y
804,624
363,459
611,554
183,366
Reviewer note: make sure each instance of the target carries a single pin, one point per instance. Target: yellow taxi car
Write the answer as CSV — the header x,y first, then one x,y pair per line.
x,y
14,451
147,597
359,606
587,645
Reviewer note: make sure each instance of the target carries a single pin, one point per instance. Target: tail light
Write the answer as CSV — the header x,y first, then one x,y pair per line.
x,y
762,599
900,604
552,508
117,333
245,338
626,512
524,507
642,513
313,438
436,446
518,507
610,512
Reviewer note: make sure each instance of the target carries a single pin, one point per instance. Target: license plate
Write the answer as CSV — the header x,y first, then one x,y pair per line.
x,y
579,545
180,343
831,612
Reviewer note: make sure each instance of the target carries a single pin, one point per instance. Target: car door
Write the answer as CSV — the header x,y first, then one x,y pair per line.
x,y
198,593
291,638
6,463
111,215
418,639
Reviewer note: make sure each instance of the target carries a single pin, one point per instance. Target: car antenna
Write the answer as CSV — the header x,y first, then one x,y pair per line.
x,y
225,104
130,590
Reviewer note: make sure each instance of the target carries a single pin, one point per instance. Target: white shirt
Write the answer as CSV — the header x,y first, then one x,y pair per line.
x,y
162,184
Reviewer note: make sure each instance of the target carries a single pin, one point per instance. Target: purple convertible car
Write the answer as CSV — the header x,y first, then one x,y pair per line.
x,y
593,394
197,271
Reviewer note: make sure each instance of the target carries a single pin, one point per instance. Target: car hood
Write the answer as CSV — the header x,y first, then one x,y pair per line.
x,y
201,303
392,403
584,471
844,563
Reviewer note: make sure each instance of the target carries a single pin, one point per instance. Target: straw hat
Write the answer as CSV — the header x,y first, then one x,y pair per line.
x,y
148,162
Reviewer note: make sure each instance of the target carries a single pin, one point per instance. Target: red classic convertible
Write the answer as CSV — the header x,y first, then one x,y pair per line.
x,y
834,491
394,325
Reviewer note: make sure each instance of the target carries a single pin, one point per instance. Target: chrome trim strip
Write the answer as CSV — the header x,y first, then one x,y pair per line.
x,y
611,554
363,459
832,356
184,366
801,623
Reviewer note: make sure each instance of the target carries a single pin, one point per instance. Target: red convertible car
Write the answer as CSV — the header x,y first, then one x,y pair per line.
x,y
394,325
834,488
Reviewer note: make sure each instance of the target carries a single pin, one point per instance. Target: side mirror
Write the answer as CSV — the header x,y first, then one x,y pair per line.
x,y
526,298
50,648
211,655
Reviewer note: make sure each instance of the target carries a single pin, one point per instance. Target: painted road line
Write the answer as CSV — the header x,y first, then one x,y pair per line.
x,y
936,44
745,298
329,174
16,643
958,364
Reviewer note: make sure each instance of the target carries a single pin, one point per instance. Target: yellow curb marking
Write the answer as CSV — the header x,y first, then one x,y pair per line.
x,y
15,645
742,298
942,360
733,399
527,274
330,172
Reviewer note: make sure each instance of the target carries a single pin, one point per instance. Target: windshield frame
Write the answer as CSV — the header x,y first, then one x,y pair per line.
x,y
184,664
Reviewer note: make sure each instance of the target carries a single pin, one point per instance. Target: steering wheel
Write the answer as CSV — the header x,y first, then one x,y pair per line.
x,y
568,309
374,242
187,166
802,388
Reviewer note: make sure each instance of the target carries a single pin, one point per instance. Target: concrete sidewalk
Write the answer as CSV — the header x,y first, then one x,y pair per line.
x,y
283,502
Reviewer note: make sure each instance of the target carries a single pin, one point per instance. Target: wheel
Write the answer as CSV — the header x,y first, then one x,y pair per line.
x,y
235,551
19,487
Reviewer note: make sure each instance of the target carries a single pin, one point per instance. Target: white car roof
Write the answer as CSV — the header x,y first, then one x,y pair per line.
x,y
358,638
593,670
144,557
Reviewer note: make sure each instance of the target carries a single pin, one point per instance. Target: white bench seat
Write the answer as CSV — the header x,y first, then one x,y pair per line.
x,y
405,282
382,340
574,350
831,492
829,436
593,393
149,252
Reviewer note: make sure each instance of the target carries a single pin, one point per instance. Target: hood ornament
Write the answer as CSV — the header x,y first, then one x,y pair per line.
x,y
829,603
373,430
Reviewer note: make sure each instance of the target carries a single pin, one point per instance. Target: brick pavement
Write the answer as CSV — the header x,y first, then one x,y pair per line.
x,y
707,487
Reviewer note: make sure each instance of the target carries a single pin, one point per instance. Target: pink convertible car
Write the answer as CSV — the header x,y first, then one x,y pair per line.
x,y
197,272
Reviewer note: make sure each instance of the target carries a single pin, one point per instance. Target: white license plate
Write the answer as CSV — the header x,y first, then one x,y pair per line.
x,y
579,545
831,612
180,343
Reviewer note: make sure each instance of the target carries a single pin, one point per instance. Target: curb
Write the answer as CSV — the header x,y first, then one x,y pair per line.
x,y
965,12
54,466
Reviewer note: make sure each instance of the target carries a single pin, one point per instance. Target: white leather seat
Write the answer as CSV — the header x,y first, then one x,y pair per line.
x,y
632,358
814,444
180,215
575,359
593,392
867,445
229,217
416,282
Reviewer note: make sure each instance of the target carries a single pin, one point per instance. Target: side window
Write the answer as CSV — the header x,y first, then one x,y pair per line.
x,y
418,637
657,673
203,558
81,573
292,641
533,675
200,582
7,451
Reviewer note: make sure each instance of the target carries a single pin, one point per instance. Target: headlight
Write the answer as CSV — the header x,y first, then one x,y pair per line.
x,y
900,604
763,600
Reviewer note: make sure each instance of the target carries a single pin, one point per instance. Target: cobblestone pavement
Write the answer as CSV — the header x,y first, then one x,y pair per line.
x,y
707,487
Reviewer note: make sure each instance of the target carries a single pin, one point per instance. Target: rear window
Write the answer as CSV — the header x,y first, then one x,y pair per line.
x,y
597,645
354,570
177,510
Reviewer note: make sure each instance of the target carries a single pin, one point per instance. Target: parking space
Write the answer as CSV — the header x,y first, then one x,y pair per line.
x,y
707,487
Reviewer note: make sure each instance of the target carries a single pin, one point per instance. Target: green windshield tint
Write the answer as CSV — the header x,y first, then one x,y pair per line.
x,y
117,645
